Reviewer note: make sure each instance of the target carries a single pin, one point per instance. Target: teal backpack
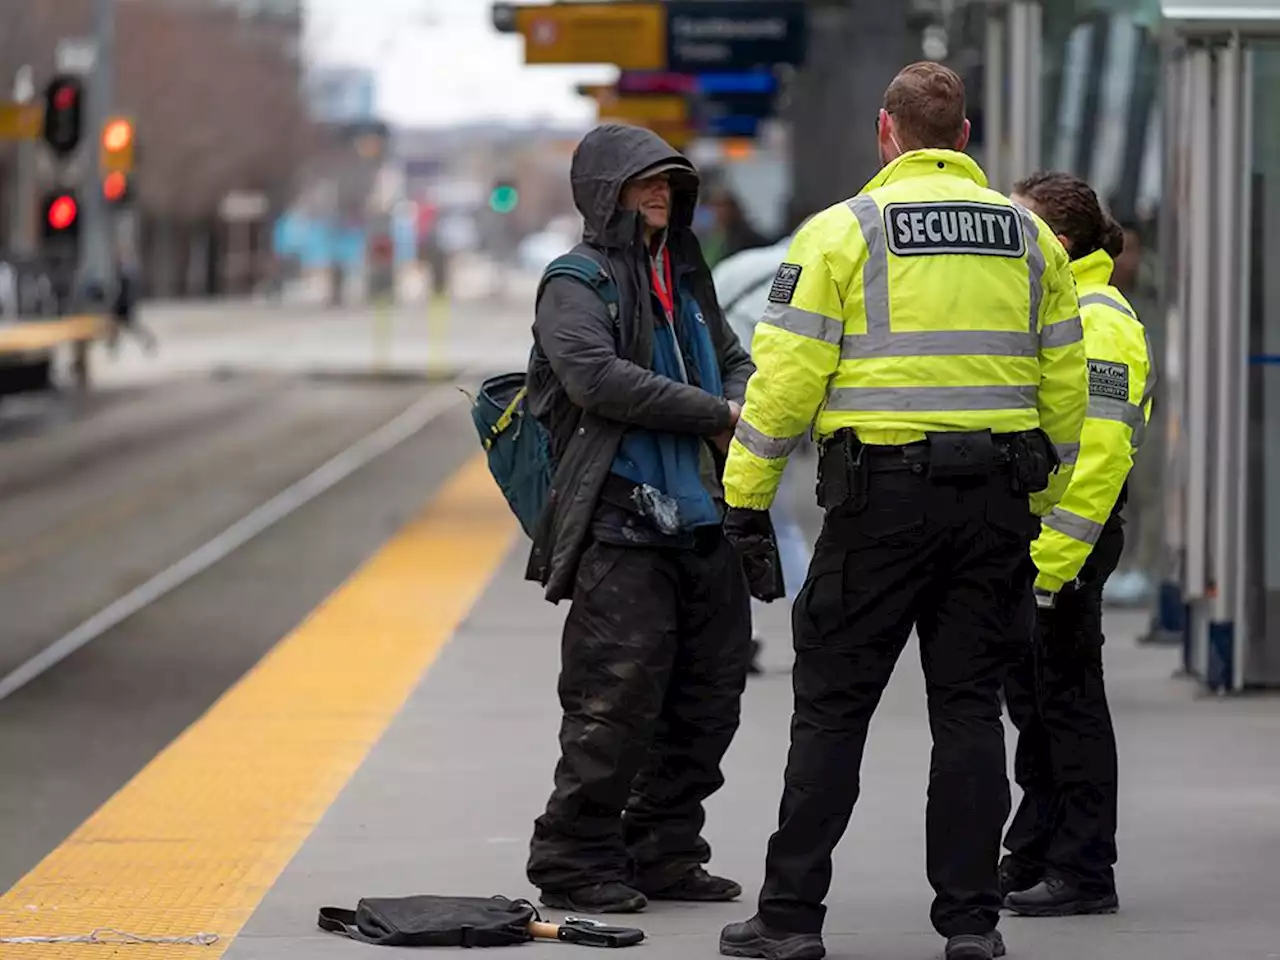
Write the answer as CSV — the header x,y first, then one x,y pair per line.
x,y
517,446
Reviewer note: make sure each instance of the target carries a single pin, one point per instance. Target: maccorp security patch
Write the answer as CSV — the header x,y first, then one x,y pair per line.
x,y
931,229
1109,379
784,283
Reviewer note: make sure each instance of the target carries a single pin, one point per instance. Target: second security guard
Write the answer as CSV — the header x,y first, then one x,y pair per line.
x,y
928,331
1062,841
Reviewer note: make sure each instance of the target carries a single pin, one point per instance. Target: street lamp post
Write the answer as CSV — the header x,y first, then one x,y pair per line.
x,y
97,266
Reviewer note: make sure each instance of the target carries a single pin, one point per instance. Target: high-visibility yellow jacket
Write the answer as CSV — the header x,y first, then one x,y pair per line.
x,y
925,303
1122,376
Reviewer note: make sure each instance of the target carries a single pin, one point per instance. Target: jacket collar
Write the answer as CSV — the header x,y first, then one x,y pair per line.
x,y
1093,269
919,163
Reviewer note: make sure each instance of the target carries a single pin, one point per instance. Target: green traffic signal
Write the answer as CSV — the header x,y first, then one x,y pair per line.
x,y
504,198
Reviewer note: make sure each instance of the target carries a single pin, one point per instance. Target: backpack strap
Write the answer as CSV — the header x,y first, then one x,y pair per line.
x,y
342,922
585,269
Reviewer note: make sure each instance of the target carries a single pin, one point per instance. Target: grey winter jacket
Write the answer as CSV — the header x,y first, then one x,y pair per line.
x,y
590,376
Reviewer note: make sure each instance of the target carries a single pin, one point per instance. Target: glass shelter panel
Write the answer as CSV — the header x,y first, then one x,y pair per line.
x,y
1262,658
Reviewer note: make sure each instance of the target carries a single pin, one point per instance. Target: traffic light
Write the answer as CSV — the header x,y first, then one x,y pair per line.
x,y
60,215
117,145
504,197
63,114
117,188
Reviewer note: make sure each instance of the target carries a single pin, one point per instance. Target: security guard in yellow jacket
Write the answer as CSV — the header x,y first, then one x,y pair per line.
x,y
1062,841
928,329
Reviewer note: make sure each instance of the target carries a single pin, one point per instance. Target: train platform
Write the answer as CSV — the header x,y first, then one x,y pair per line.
x,y
401,739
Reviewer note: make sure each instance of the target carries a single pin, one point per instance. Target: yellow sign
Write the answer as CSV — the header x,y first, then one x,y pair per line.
x,y
646,108
632,36
21,121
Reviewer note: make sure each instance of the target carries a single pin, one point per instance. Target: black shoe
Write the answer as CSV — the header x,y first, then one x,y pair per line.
x,y
975,946
612,897
695,885
1016,875
1055,897
754,939
755,669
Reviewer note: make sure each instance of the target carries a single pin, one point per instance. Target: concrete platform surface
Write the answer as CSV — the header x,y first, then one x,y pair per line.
x,y
445,802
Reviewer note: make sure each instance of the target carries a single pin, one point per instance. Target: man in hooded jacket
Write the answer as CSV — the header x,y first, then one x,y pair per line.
x,y
640,407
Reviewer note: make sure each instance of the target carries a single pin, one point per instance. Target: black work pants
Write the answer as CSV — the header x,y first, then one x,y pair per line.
x,y
654,660
950,561
1066,759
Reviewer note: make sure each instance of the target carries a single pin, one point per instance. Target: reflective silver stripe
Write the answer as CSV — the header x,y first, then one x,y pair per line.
x,y
1152,376
938,343
1073,525
1035,265
1121,411
1091,298
763,445
1139,434
1062,334
1068,453
910,399
804,323
875,272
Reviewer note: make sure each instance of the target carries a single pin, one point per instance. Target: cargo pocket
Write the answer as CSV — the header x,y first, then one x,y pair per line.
x,y
1010,516
819,607
597,560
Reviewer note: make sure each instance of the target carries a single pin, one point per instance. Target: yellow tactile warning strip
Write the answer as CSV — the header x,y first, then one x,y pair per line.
x,y
199,836
45,334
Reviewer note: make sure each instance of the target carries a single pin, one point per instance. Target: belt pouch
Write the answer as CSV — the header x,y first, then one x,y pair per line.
x,y
957,456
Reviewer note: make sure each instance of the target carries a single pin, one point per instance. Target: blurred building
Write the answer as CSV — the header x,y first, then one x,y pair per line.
x,y
341,94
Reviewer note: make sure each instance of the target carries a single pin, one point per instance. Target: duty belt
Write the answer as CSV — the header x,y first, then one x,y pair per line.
x,y
958,457
915,457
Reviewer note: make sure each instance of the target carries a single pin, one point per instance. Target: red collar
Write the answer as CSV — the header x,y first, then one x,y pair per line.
x,y
664,292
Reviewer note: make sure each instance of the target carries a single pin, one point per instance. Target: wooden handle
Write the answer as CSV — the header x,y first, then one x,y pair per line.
x,y
544,931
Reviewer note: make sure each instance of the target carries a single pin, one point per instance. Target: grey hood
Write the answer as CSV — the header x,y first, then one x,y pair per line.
x,y
608,157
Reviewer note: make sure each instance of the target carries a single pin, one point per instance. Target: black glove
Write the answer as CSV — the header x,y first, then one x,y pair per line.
x,y
750,532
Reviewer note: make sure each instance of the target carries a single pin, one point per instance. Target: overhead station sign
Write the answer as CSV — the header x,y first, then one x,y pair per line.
x,y
688,67
705,35
680,36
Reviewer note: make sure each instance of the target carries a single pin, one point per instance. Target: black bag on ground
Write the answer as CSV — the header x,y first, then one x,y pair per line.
x,y
432,921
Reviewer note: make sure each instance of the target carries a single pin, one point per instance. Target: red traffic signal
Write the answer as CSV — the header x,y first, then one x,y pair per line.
x,y
115,187
63,113
61,214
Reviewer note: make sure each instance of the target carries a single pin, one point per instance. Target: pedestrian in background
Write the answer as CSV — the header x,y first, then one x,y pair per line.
x,y
640,403
929,330
124,311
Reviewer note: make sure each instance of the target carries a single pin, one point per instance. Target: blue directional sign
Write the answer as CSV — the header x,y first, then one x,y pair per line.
x,y
757,82
706,36
729,125
739,104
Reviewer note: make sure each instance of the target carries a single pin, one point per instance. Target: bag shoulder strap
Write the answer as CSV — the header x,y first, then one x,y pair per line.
x,y
340,921
585,269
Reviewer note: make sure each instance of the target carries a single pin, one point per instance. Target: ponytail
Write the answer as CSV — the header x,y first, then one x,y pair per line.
x,y
1112,237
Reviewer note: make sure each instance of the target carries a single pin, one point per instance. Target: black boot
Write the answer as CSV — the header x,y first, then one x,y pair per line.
x,y
974,946
754,939
755,669
1056,897
1017,875
612,897
694,885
